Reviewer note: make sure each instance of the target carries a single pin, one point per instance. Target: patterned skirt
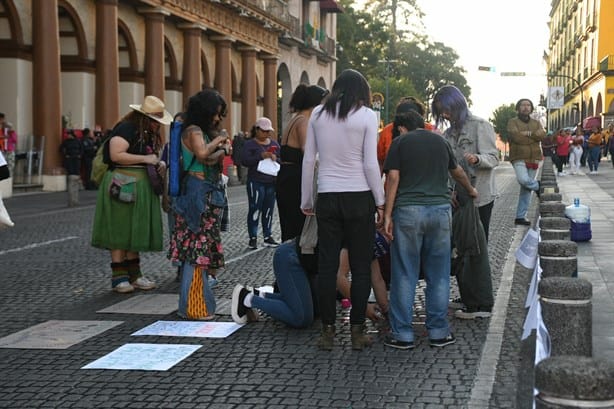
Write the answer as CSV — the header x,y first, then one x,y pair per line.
x,y
202,248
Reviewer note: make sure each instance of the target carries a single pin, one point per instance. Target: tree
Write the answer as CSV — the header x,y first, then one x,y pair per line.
x,y
389,12
500,118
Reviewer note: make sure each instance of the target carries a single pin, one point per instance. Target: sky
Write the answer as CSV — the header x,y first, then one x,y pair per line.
x,y
510,35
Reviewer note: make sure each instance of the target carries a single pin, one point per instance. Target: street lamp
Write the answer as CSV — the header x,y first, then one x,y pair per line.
x,y
387,99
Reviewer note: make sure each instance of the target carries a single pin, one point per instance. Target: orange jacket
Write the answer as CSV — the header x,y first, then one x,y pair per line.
x,y
385,139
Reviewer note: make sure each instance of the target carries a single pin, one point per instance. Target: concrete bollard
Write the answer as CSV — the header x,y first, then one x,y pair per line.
x,y
567,313
558,258
554,228
74,184
550,197
552,209
574,382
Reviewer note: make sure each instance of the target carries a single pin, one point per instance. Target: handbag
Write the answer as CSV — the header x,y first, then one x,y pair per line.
x,y
155,180
123,187
268,167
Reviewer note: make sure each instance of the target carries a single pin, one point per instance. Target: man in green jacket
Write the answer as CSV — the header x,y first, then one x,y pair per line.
x,y
525,136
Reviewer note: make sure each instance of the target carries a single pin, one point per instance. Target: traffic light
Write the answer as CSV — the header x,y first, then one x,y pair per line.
x,y
484,68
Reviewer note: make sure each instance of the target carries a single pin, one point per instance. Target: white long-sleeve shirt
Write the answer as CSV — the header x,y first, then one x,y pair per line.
x,y
347,155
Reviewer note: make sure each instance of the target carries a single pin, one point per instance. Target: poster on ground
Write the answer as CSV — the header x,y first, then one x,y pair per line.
x,y
144,357
198,329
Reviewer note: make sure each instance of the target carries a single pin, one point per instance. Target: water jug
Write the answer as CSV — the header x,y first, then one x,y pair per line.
x,y
577,212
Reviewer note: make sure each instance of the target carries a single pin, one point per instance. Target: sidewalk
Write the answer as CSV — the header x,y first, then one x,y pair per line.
x,y
595,258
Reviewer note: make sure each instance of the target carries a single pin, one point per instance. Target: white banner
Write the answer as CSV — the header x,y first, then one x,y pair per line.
x,y
556,97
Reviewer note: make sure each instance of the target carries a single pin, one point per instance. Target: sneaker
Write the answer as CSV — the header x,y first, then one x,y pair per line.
x,y
456,304
270,242
471,313
123,287
442,342
253,243
143,283
238,310
522,222
395,343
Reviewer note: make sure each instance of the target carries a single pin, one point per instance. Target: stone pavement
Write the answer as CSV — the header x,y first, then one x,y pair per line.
x,y
49,272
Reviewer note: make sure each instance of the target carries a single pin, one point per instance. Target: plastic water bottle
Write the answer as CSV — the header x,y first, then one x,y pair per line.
x,y
577,212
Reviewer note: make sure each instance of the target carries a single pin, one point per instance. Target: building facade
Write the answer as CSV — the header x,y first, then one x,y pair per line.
x,y
581,60
80,63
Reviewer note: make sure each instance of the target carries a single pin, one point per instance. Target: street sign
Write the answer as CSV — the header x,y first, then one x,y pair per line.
x,y
513,74
556,97
484,68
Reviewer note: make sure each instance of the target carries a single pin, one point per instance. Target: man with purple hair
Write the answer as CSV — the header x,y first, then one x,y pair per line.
x,y
473,142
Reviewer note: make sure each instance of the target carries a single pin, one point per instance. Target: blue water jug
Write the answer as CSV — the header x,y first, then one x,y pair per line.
x,y
577,212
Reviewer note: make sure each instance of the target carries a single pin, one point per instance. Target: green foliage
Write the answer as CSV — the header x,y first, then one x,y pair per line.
x,y
417,67
500,118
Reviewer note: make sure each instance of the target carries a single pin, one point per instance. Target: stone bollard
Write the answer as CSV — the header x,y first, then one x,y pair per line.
x,y
567,313
550,197
74,184
574,382
558,258
548,186
552,209
554,228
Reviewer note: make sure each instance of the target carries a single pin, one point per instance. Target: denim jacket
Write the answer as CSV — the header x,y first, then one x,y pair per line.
x,y
197,196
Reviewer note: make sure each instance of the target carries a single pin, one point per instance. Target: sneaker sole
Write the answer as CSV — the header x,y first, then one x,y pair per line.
x,y
472,315
438,345
234,305
142,287
402,347
123,290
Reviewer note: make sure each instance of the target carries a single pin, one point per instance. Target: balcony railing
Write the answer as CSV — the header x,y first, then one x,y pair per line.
x,y
278,9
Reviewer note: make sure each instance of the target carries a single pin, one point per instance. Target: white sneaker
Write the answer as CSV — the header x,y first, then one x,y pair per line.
x,y
143,283
123,287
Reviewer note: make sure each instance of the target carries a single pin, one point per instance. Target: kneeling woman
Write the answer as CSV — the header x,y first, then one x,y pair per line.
x,y
196,240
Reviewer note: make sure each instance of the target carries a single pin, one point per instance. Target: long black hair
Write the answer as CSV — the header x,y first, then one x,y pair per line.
x,y
201,109
350,91
306,96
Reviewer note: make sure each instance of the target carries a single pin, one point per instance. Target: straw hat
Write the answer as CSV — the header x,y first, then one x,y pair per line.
x,y
153,107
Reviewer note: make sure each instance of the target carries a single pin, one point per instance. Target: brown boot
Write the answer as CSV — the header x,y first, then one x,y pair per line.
x,y
359,338
327,337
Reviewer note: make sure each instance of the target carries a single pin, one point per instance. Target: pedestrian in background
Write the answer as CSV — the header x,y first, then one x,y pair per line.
x,y
260,186
594,149
473,142
526,135
563,141
128,218
575,154
237,150
196,240
90,147
417,219
288,182
8,142
343,134
72,152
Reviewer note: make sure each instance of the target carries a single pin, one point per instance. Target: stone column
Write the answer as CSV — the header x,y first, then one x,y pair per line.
x,y
154,50
46,92
558,258
107,64
191,60
270,91
574,382
567,313
248,87
222,75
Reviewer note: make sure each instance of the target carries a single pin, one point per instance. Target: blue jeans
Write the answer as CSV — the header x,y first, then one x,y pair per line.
x,y
293,304
421,235
594,155
261,197
526,179
187,275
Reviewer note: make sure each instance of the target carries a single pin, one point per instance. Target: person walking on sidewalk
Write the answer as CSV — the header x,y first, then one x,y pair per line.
x,y
343,133
594,149
418,218
122,223
525,135
260,186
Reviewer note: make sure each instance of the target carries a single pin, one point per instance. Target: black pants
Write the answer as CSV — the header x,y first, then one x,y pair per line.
x,y
345,219
485,212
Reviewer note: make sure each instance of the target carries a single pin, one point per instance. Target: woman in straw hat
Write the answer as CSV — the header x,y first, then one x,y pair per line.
x,y
196,241
128,219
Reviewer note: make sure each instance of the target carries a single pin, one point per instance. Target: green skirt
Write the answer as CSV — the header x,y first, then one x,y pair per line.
x,y
135,226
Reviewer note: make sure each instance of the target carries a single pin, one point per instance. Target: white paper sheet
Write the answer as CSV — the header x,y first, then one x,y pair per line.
x,y
196,329
526,254
144,357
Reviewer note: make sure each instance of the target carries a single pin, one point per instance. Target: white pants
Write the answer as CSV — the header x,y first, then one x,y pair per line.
x,y
574,158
